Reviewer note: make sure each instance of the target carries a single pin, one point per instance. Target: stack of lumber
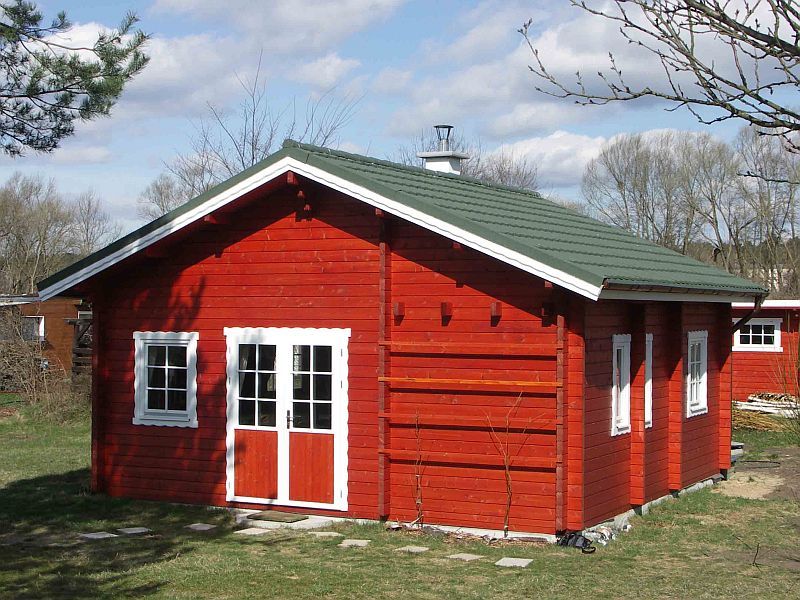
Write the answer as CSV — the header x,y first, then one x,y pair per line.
x,y
782,405
757,421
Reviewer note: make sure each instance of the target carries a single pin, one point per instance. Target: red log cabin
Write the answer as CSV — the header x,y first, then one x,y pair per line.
x,y
335,334
765,350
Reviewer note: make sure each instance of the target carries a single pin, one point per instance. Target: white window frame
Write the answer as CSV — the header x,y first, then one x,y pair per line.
x,y
774,347
144,416
621,394
648,380
697,396
40,331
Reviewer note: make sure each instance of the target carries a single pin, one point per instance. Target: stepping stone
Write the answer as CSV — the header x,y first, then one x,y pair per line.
x,y
133,530
466,557
277,516
412,549
201,527
354,544
98,535
252,531
514,562
326,534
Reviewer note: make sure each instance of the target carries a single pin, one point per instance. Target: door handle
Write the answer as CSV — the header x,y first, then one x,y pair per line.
x,y
288,419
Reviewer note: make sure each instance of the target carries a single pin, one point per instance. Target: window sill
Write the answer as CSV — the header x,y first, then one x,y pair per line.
x,y
616,432
757,349
696,412
162,422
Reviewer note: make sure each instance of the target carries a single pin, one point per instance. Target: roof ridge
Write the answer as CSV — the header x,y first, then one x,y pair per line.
x,y
290,143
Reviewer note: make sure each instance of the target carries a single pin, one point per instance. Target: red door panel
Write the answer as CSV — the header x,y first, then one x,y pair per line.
x,y
311,467
256,463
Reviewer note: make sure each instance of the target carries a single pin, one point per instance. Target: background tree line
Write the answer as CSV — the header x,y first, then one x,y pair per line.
x,y
43,230
734,205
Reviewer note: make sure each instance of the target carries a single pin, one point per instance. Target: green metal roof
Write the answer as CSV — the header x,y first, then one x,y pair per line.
x,y
519,220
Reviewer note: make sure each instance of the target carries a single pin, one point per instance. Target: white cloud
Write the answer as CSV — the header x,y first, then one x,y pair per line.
x,y
325,72
288,26
560,157
82,155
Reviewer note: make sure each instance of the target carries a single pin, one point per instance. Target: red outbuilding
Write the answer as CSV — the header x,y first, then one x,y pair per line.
x,y
335,334
765,349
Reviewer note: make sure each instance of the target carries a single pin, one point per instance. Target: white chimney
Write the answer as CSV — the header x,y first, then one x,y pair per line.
x,y
443,160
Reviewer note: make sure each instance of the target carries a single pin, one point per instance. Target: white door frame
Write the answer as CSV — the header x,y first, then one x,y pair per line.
x,y
283,338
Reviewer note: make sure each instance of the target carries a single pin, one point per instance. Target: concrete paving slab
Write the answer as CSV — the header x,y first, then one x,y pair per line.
x,y
252,531
98,535
133,530
201,527
514,562
412,549
354,544
326,534
312,522
465,556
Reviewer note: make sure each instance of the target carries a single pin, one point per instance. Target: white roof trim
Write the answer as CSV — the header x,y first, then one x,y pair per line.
x,y
770,304
284,165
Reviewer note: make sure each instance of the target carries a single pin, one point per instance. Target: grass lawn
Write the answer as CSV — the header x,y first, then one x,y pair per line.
x,y
700,546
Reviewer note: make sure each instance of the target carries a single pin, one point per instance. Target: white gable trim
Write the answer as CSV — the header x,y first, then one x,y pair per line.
x,y
345,186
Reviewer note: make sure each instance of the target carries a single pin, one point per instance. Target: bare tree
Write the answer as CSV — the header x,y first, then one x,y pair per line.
x,y
503,167
731,57
226,144
93,226
42,231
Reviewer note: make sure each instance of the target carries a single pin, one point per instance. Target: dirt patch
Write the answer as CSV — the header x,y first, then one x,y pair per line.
x,y
768,556
776,477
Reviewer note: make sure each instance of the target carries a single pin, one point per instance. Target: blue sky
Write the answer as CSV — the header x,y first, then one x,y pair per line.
x,y
413,63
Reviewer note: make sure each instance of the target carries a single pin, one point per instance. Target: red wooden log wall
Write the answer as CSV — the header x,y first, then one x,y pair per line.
x,y
755,372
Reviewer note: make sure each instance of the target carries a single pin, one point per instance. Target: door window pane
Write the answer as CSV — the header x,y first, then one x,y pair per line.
x,y
247,385
247,412
266,358
266,414
322,415
301,413
302,387
322,387
322,359
302,358
266,385
247,357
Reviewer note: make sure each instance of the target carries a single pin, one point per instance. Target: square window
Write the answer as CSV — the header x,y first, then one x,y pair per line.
x,y
758,335
165,378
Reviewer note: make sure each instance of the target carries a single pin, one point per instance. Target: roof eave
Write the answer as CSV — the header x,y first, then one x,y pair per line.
x,y
616,290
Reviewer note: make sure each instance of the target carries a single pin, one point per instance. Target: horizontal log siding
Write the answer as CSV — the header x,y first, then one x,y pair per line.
x,y
427,271
755,372
658,323
270,267
607,458
700,434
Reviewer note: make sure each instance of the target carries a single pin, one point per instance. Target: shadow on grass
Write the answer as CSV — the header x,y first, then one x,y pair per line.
x,y
43,556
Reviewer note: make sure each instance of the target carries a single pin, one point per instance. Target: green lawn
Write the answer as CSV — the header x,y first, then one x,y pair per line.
x,y
700,546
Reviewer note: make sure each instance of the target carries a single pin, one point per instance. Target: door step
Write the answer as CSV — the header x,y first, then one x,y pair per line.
x,y
277,516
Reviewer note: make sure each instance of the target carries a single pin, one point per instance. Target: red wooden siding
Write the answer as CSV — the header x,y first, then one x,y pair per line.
x,y
271,267
442,446
256,464
656,437
755,372
311,467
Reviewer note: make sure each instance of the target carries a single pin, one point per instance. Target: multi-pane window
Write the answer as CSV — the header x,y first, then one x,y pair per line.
x,y
697,373
759,334
648,380
312,386
165,378
621,384
257,385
